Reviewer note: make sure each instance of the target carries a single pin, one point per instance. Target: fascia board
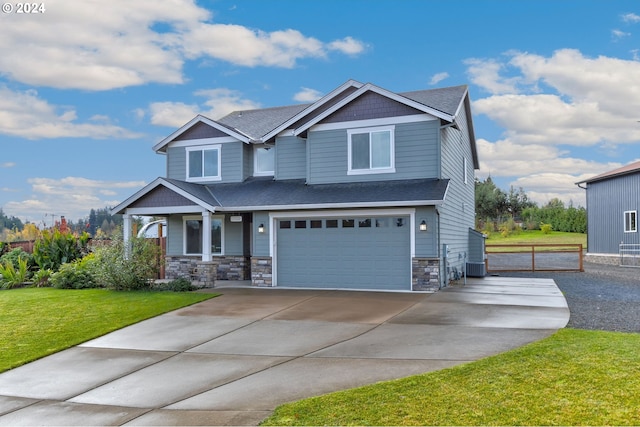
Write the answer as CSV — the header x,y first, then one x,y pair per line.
x,y
347,205
162,145
312,108
370,87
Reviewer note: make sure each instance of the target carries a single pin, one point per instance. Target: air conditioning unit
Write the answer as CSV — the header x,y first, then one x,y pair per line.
x,y
476,269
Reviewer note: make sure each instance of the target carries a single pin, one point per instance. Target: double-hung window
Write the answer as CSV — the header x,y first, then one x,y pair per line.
x,y
631,222
371,150
203,163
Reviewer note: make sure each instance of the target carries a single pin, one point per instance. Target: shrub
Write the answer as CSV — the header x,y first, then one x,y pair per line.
x,y
136,271
54,248
180,284
41,277
12,276
546,228
77,274
16,254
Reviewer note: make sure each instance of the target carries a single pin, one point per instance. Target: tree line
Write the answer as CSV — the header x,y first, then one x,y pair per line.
x,y
497,209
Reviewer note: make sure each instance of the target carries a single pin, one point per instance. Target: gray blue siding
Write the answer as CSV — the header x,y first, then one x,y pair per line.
x,y
457,213
291,158
416,154
607,200
232,160
426,241
261,240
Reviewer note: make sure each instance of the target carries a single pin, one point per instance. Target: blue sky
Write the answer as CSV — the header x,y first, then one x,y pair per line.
x,y
87,88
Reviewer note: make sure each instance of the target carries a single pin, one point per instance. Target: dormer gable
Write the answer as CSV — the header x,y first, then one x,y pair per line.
x,y
201,127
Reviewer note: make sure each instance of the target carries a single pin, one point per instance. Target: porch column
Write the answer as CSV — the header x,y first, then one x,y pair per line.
x,y
126,231
206,236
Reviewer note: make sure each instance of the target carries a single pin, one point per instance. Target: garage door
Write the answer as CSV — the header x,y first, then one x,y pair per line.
x,y
349,253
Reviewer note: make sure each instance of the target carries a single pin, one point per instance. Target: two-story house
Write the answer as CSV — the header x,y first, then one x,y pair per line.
x,y
362,189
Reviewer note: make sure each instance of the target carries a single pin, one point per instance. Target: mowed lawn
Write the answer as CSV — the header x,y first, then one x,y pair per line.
x,y
35,322
574,377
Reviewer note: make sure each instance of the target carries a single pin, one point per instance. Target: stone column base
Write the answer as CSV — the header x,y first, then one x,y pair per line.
x,y
261,271
425,274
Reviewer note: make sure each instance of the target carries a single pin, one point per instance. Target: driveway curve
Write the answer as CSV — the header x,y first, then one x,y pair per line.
x,y
231,360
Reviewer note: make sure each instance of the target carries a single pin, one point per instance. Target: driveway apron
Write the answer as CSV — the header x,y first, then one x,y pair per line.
x,y
232,359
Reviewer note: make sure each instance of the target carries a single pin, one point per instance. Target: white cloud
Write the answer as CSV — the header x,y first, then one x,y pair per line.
x,y
7,164
631,17
26,115
437,78
97,45
547,106
347,45
71,197
618,34
307,95
218,103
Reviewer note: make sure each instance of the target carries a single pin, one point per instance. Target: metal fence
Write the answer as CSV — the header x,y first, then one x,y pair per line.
x,y
629,255
547,257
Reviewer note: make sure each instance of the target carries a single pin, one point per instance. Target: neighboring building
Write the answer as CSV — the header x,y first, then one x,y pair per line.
x,y
613,201
363,189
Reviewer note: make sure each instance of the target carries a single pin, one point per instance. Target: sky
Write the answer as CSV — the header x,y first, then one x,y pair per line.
x,y
87,88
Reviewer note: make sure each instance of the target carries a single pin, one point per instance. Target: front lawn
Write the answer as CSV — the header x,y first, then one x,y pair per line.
x,y
36,322
574,377
536,237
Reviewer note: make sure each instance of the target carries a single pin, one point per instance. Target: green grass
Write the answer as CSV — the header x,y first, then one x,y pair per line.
x,y
529,237
36,322
574,377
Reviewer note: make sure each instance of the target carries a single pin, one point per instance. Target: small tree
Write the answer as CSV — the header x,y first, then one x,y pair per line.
x,y
136,271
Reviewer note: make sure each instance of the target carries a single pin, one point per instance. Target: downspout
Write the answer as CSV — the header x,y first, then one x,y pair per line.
x,y
440,260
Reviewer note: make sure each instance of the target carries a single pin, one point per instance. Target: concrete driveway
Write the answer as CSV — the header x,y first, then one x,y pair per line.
x,y
232,359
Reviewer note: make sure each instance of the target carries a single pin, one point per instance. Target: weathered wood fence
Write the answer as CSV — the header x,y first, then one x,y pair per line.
x,y
538,257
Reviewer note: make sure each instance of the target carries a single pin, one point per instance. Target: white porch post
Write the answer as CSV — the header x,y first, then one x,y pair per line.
x,y
126,231
206,236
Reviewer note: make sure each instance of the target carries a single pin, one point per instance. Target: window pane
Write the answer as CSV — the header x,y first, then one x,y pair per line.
x,y
216,236
382,222
194,236
360,151
265,160
348,223
364,223
630,221
381,149
316,223
195,164
285,224
399,222
301,224
332,223
211,163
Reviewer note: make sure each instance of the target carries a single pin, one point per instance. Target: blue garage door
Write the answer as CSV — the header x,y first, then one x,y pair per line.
x,y
348,252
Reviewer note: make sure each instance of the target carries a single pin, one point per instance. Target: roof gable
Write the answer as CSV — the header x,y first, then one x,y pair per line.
x,y
195,125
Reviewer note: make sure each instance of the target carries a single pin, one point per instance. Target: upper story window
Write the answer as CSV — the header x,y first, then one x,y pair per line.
x,y
203,163
264,160
371,150
630,222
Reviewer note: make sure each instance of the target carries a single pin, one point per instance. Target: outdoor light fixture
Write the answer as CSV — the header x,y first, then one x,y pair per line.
x,y
423,225
261,228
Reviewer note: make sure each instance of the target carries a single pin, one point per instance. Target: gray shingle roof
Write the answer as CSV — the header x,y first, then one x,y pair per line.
x,y
445,99
257,123
257,193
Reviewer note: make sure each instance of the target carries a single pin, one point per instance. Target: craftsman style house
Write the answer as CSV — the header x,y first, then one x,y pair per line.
x,y
613,202
362,189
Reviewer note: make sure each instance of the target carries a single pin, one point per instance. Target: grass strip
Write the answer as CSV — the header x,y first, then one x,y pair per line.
x,y
36,322
574,377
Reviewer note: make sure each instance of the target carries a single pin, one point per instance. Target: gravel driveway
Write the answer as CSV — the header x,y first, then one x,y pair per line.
x,y
603,297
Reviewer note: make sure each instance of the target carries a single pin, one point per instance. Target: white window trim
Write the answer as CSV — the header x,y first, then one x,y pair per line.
x,y
255,161
186,218
635,215
466,173
204,178
390,169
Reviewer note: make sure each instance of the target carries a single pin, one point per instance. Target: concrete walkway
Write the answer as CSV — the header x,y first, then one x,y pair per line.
x,y
231,360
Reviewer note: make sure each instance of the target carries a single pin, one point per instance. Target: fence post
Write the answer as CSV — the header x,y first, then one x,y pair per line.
x,y
533,258
580,255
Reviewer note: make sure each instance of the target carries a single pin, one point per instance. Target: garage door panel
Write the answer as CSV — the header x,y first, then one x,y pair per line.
x,y
373,254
